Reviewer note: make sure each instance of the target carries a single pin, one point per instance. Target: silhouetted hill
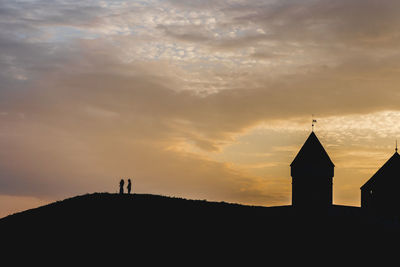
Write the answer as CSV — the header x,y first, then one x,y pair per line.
x,y
169,225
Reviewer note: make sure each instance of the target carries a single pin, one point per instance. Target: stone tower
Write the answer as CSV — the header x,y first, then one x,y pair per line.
x,y
312,174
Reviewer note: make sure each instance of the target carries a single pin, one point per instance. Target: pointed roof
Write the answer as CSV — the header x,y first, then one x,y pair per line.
x,y
312,152
389,170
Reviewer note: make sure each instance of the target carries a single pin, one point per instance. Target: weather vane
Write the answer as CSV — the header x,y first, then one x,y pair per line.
x,y
313,122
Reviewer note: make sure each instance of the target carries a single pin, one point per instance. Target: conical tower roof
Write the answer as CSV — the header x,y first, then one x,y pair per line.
x,y
389,172
312,153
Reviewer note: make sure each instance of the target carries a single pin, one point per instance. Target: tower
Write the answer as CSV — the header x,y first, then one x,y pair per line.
x,y
380,194
312,174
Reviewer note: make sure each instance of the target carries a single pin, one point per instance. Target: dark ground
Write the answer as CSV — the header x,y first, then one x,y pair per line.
x,y
163,228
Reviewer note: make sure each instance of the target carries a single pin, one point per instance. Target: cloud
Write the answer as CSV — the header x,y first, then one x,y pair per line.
x,y
95,91
182,34
79,130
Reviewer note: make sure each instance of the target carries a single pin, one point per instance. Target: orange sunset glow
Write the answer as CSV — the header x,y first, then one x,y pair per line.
x,y
197,99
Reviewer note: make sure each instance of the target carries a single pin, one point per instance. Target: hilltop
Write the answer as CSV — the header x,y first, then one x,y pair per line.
x,y
90,212
158,222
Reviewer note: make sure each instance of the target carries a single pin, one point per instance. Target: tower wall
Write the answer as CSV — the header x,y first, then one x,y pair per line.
x,y
312,186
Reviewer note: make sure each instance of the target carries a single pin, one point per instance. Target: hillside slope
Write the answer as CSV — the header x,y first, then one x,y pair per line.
x,y
169,224
106,212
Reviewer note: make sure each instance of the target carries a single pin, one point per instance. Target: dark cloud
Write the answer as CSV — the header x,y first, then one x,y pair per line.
x,y
323,21
189,34
43,12
198,4
356,23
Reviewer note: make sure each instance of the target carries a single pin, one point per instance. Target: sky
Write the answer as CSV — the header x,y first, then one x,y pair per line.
x,y
198,99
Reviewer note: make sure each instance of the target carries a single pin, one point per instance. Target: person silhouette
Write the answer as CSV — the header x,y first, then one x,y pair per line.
x,y
129,186
121,186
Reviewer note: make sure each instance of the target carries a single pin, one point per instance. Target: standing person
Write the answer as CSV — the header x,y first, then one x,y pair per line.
x,y
121,186
129,186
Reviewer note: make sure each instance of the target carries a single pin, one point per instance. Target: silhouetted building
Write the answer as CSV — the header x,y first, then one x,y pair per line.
x,y
381,192
312,173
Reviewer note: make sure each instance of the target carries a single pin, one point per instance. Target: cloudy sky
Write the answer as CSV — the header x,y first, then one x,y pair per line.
x,y
198,99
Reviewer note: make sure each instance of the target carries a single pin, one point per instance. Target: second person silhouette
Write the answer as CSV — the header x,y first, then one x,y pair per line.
x,y
129,186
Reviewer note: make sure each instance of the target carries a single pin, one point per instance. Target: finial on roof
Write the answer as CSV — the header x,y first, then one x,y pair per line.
x,y
312,122
396,146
